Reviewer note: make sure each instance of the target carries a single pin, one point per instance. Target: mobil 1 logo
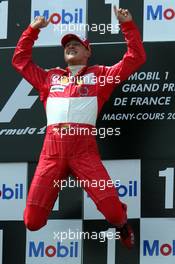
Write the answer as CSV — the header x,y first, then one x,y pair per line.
x,y
104,27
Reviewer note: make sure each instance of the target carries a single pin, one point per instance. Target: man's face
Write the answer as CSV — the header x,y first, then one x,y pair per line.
x,y
75,53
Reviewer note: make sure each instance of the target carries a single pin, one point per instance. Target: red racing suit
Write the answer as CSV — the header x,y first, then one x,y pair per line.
x,y
73,103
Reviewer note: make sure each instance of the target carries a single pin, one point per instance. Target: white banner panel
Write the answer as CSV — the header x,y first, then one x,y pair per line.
x,y
13,181
159,20
3,19
128,173
46,245
157,241
113,17
65,17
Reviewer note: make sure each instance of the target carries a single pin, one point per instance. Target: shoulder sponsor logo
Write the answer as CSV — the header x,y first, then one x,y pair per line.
x,y
64,80
55,79
59,83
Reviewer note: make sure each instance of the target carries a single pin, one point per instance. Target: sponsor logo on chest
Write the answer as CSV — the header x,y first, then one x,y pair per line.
x,y
58,83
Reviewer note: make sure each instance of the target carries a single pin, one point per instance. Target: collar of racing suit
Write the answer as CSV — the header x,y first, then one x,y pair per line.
x,y
75,69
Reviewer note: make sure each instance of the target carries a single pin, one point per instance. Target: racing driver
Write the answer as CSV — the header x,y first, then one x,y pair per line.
x,y
75,104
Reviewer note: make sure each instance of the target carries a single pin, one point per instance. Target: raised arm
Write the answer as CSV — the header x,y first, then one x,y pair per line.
x,y
135,55
22,58
133,58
